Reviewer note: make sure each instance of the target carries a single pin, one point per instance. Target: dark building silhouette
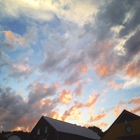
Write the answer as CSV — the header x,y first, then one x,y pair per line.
x,y
51,129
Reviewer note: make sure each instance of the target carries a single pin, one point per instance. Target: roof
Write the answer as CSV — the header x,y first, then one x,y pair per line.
x,y
125,116
65,127
20,134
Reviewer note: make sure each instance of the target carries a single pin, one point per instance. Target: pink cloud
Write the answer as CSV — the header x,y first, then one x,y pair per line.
x,y
114,85
10,36
132,70
14,38
103,124
82,68
135,101
98,117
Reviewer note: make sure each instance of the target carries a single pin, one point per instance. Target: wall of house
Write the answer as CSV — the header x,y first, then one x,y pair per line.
x,y
14,137
50,135
118,130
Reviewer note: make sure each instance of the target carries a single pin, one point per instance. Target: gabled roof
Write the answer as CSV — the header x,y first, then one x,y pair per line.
x,y
65,127
122,118
126,116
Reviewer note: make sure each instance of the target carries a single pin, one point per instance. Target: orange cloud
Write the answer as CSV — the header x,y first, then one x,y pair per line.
x,y
10,36
56,85
93,99
132,70
103,124
89,79
114,85
45,101
55,115
22,67
102,70
118,109
23,124
82,68
73,113
135,101
37,85
19,92
65,96
14,38
98,117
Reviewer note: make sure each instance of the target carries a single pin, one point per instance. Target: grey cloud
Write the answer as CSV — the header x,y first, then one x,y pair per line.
x,y
53,60
11,46
132,45
74,77
31,36
12,67
17,73
113,14
133,22
10,104
78,90
39,91
16,112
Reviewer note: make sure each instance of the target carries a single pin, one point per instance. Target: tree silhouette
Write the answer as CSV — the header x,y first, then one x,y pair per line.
x,y
96,130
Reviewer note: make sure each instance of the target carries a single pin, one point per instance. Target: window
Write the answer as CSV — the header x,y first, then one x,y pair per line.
x,y
46,129
38,131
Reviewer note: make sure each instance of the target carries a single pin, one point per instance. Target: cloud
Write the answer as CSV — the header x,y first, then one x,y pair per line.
x,y
119,108
92,100
114,85
135,101
24,8
132,47
74,113
79,89
131,83
20,70
65,96
103,124
17,112
124,105
10,104
98,117
132,21
12,40
39,91
132,69
53,60
13,68
78,11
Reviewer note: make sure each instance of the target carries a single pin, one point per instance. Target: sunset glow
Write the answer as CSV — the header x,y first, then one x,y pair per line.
x,y
76,61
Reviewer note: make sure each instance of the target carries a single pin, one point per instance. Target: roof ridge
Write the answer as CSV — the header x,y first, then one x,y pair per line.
x,y
64,122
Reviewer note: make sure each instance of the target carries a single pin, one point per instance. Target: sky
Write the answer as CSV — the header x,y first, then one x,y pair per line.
x,y
73,60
